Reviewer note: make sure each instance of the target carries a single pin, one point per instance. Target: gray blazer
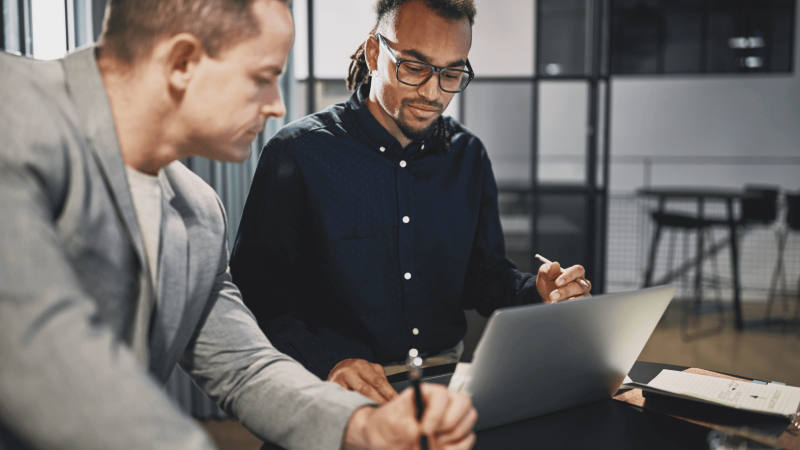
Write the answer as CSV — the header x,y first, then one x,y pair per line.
x,y
72,268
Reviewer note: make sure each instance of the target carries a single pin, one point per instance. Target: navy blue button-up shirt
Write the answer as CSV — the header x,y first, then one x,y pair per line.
x,y
352,247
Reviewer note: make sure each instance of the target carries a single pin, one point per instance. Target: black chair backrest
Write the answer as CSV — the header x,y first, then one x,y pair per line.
x,y
793,211
760,204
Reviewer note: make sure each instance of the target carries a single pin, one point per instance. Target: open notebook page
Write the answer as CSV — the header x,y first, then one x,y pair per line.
x,y
770,398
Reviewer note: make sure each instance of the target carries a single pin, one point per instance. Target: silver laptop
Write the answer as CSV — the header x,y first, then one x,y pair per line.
x,y
537,359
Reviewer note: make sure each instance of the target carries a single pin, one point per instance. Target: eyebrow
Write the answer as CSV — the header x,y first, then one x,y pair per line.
x,y
275,70
421,57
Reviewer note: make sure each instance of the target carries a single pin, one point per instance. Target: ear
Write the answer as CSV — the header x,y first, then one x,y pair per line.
x,y
183,54
371,52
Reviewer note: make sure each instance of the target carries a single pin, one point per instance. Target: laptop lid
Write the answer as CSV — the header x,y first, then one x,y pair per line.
x,y
537,359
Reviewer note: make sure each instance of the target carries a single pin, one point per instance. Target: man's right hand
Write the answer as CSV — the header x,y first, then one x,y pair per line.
x,y
363,377
447,422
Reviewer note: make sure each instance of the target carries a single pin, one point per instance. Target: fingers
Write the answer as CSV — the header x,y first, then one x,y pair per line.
x,y
550,271
361,376
571,285
464,444
436,400
458,422
449,417
447,421
381,383
458,407
390,426
587,288
354,382
570,275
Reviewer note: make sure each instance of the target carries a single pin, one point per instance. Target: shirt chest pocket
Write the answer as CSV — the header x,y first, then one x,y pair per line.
x,y
353,272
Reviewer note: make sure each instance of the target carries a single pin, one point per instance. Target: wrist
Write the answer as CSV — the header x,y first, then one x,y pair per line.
x,y
355,434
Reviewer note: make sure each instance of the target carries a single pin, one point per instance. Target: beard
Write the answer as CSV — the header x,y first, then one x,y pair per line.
x,y
417,134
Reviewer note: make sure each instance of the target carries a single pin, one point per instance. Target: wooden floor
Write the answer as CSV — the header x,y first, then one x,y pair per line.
x,y
765,353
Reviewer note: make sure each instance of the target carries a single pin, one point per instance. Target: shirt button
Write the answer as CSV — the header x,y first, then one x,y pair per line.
x,y
407,276
402,163
423,147
383,149
415,331
406,219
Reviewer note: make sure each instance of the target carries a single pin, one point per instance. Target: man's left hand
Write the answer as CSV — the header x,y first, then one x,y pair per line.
x,y
555,285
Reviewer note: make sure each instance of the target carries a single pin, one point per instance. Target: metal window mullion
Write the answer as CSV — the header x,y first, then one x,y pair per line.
x,y
95,12
24,27
593,256
535,139
606,165
2,26
310,88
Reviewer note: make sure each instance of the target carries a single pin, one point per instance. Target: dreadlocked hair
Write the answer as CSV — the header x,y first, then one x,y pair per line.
x,y
358,72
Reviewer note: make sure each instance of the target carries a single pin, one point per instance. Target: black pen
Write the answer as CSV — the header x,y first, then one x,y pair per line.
x,y
414,363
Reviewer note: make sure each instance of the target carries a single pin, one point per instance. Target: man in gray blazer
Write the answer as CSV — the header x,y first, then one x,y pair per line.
x,y
113,258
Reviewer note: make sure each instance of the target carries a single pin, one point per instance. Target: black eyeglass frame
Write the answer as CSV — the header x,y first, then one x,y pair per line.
x,y
398,61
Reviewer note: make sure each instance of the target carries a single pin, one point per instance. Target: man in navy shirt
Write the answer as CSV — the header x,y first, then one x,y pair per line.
x,y
372,225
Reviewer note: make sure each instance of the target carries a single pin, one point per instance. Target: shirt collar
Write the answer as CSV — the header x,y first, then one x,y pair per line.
x,y
378,136
373,132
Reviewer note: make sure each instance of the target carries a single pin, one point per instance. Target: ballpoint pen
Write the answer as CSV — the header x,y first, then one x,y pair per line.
x,y
414,363
547,261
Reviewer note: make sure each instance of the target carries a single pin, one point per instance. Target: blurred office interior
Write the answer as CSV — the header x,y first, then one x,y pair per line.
x,y
582,105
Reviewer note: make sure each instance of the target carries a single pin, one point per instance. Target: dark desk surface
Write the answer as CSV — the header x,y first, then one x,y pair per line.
x,y
687,192
607,424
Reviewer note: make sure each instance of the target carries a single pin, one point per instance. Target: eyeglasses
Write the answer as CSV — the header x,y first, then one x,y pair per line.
x,y
415,73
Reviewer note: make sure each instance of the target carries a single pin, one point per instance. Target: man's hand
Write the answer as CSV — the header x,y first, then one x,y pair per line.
x,y
363,377
447,421
555,284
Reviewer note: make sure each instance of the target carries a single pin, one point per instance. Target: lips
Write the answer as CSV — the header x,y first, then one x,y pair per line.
x,y
423,111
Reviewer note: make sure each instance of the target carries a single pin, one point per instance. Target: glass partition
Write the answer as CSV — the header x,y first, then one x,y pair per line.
x,y
499,113
502,39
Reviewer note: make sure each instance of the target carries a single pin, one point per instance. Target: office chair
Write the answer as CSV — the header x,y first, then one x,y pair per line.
x,y
792,223
759,205
678,222
758,208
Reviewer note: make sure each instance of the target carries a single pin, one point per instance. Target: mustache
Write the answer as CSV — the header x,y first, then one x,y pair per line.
x,y
434,105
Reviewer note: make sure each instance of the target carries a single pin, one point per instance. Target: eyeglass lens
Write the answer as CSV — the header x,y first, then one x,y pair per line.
x,y
416,74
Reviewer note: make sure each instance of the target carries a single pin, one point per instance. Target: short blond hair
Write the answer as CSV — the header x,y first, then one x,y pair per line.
x,y
132,27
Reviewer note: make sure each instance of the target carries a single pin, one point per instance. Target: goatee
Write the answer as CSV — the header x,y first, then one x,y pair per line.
x,y
418,134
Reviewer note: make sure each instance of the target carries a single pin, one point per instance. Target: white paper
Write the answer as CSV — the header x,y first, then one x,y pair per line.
x,y
769,398
459,376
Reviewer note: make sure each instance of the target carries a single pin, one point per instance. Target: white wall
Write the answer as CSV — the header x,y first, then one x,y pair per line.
x,y
724,116
699,116
49,29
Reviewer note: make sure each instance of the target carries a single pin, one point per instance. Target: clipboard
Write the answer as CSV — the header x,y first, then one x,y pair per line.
x,y
772,431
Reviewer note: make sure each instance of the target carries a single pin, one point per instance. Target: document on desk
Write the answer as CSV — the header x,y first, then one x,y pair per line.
x,y
459,376
773,399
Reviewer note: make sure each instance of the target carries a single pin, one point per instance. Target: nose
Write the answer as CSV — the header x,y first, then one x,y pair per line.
x,y
430,89
273,106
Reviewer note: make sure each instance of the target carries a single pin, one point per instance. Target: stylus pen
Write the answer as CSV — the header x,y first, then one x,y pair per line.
x,y
414,363
547,261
